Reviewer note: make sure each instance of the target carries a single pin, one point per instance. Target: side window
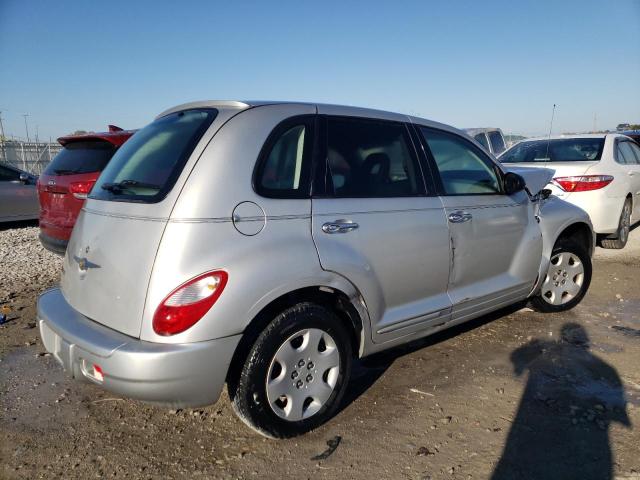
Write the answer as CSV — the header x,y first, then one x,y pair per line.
x,y
283,168
368,158
464,170
481,138
8,175
625,154
497,142
636,149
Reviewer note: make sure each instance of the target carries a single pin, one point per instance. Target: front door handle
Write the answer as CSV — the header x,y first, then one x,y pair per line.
x,y
339,226
459,217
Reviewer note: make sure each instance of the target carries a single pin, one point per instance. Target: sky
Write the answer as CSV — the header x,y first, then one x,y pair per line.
x,y
80,65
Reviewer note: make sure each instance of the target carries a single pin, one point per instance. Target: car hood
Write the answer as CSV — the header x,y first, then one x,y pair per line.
x,y
536,178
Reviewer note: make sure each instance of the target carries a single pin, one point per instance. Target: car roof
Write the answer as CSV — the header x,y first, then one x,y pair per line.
x,y
115,136
333,108
576,135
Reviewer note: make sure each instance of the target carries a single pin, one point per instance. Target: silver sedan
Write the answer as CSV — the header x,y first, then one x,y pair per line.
x,y
18,195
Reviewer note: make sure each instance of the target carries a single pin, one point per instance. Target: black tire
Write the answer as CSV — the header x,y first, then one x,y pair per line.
x,y
540,304
620,238
249,391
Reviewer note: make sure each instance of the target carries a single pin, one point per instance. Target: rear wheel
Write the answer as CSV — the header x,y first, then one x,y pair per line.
x,y
624,226
566,281
296,372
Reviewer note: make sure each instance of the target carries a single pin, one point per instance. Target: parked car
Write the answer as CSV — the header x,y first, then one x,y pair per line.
x,y
18,196
65,183
599,173
491,139
633,134
267,245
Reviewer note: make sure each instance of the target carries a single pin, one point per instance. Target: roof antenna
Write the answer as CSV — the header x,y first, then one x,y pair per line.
x,y
546,155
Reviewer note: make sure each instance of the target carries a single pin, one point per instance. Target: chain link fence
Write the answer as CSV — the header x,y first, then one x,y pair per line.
x,y
32,157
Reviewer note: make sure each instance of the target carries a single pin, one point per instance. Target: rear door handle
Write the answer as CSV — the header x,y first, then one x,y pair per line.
x,y
459,217
339,226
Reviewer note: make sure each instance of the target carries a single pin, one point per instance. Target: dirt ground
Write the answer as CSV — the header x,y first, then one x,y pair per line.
x,y
516,394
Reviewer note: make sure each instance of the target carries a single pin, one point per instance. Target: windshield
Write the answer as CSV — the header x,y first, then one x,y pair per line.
x,y
81,157
146,167
557,150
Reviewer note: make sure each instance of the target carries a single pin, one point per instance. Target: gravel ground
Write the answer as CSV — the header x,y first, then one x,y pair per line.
x,y
515,394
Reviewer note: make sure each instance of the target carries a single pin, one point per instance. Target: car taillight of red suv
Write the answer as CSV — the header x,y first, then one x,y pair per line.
x,y
68,179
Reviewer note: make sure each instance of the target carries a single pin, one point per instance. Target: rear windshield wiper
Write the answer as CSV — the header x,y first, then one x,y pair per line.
x,y
62,171
118,187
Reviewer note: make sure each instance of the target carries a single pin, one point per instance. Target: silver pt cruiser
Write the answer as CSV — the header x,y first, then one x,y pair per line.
x,y
266,244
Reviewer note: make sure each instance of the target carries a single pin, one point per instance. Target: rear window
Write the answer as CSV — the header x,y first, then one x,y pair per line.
x,y
147,166
558,150
81,157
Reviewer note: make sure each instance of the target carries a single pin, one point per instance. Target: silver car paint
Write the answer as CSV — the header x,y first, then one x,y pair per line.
x,y
135,254
18,200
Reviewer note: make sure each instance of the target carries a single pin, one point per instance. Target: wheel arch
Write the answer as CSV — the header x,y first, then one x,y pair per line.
x,y
354,316
580,233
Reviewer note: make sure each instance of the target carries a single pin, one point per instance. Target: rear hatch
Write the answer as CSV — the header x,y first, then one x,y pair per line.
x,y
569,157
111,252
65,182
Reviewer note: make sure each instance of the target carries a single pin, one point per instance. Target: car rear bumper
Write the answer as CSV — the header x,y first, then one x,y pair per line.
x,y
603,210
55,245
173,375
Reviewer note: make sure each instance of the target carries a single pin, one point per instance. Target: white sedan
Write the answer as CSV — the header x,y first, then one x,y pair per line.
x,y
599,173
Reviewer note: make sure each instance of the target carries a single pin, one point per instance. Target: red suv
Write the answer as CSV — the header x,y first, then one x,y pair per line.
x,y
67,180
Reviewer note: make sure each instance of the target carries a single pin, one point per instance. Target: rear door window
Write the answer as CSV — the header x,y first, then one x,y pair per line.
x,y
147,166
370,158
625,154
497,142
636,151
463,168
81,157
481,138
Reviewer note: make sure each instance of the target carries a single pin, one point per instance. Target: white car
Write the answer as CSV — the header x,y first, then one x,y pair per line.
x,y
599,173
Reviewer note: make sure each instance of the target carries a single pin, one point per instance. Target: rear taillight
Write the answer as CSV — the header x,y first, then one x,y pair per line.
x,y
188,303
81,189
583,183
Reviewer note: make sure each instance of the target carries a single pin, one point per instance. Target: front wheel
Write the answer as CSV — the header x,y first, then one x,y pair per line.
x,y
566,281
295,374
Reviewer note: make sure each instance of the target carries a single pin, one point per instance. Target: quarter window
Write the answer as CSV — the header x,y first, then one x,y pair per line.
x,y
464,170
283,167
368,158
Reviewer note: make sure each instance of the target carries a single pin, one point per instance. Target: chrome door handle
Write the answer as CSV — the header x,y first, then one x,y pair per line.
x,y
339,226
459,217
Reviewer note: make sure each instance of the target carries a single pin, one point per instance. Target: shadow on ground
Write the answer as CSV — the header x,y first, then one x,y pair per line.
x,y
561,428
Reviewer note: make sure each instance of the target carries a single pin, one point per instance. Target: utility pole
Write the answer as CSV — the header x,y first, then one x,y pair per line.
x,y
595,120
1,127
26,127
2,139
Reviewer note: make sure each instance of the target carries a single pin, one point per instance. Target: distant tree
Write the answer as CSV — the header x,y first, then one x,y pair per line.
x,y
635,126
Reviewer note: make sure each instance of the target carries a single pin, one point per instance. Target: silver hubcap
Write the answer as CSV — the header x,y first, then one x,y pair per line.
x,y
564,279
625,223
303,374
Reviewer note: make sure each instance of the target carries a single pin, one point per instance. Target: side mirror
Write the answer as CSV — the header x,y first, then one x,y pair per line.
x,y
513,183
25,178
